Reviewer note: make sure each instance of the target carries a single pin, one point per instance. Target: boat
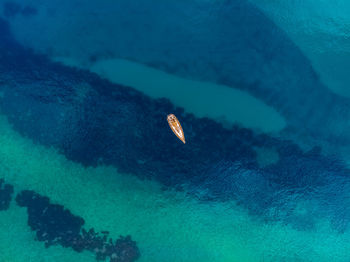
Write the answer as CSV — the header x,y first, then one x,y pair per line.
x,y
176,127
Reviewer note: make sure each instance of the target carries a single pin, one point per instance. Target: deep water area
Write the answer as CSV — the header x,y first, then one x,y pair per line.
x,y
90,170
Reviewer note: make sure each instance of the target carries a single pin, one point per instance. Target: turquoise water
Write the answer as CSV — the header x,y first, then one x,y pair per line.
x,y
85,88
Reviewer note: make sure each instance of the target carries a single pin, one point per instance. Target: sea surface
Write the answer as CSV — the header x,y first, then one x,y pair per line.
x,y
90,170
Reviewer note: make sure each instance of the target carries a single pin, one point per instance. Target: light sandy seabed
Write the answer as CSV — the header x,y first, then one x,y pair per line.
x,y
224,104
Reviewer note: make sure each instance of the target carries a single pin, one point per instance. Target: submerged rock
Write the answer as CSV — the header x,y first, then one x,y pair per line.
x,y
29,11
11,9
6,191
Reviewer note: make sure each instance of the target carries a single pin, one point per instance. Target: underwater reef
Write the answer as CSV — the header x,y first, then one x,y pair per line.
x,y
92,121
56,225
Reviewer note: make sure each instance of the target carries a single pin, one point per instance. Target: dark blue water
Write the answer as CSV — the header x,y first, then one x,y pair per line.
x,y
94,171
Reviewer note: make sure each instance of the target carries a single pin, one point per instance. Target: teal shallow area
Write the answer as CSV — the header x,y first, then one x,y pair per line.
x,y
85,88
166,225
